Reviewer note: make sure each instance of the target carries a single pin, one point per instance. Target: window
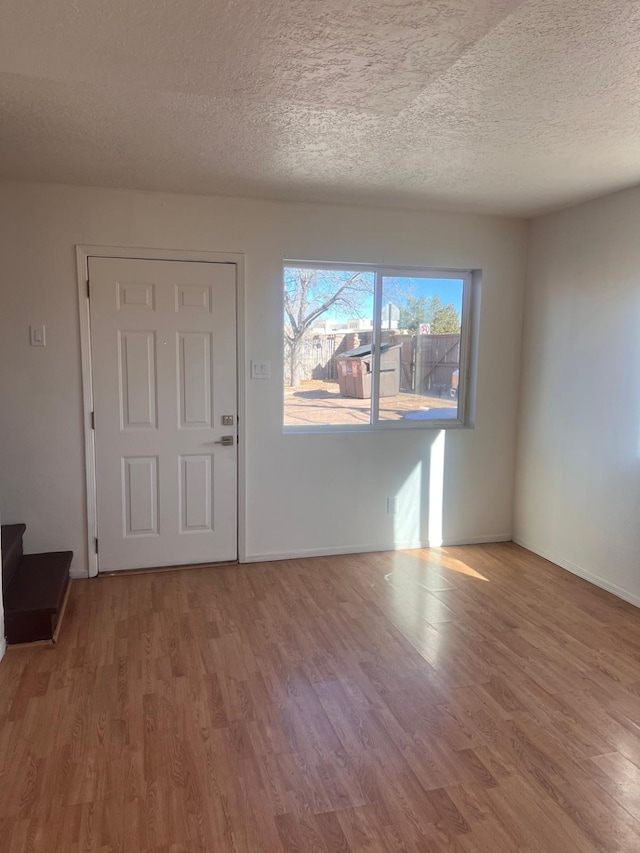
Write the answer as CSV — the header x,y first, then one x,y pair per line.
x,y
374,347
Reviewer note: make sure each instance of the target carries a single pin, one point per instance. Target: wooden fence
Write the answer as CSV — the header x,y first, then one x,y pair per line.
x,y
436,358
427,362
315,357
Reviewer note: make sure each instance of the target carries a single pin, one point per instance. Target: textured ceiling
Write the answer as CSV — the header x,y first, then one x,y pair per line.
x,y
485,105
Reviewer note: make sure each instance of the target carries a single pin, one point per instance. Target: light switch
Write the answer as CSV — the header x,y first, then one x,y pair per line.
x,y
37,336
260,369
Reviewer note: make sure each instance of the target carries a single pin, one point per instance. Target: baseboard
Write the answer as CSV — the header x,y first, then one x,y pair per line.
x,y
336,551
3,647
329,552
596,580
479,540
78,575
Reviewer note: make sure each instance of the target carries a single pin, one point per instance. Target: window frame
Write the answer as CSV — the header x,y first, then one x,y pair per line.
x,y
380,271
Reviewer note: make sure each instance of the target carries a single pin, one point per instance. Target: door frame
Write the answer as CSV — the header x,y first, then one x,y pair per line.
x,y
83,253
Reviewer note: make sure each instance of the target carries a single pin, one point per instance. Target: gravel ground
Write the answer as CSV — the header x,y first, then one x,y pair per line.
x,y
316,402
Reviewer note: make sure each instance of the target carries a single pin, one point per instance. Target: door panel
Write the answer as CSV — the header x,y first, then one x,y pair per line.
x,y
140,491
163,350
195,379
195,493
137,366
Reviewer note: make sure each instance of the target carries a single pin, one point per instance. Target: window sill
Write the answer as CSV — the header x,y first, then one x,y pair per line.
x,y
345,429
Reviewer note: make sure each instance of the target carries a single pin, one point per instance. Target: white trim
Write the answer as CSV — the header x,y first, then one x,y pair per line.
x,y
469,300
241,373
368,549
488,539
331,552
83,253
596,580
3,647
82,256
78,574
353,266
381,426
376,340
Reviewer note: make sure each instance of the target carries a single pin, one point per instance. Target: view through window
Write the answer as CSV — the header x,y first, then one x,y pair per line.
x,y
373,346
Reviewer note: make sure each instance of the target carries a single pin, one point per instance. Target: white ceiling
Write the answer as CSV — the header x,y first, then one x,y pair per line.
x,y
499,106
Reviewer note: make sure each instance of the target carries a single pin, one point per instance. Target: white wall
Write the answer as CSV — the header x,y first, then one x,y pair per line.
x,y
304,494
578,481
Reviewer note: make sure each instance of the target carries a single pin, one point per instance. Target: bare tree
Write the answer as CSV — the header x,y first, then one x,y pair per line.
x,y
309,293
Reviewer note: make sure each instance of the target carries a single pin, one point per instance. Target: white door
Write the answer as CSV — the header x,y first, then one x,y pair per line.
x,y
163,349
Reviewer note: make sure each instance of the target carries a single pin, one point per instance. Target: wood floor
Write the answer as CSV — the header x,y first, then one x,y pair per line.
x,y
458,699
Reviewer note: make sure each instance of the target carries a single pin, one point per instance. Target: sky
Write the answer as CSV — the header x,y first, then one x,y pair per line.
x,y
395,289
449,290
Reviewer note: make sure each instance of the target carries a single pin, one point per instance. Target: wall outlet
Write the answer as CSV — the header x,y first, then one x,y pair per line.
x,y
392,506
